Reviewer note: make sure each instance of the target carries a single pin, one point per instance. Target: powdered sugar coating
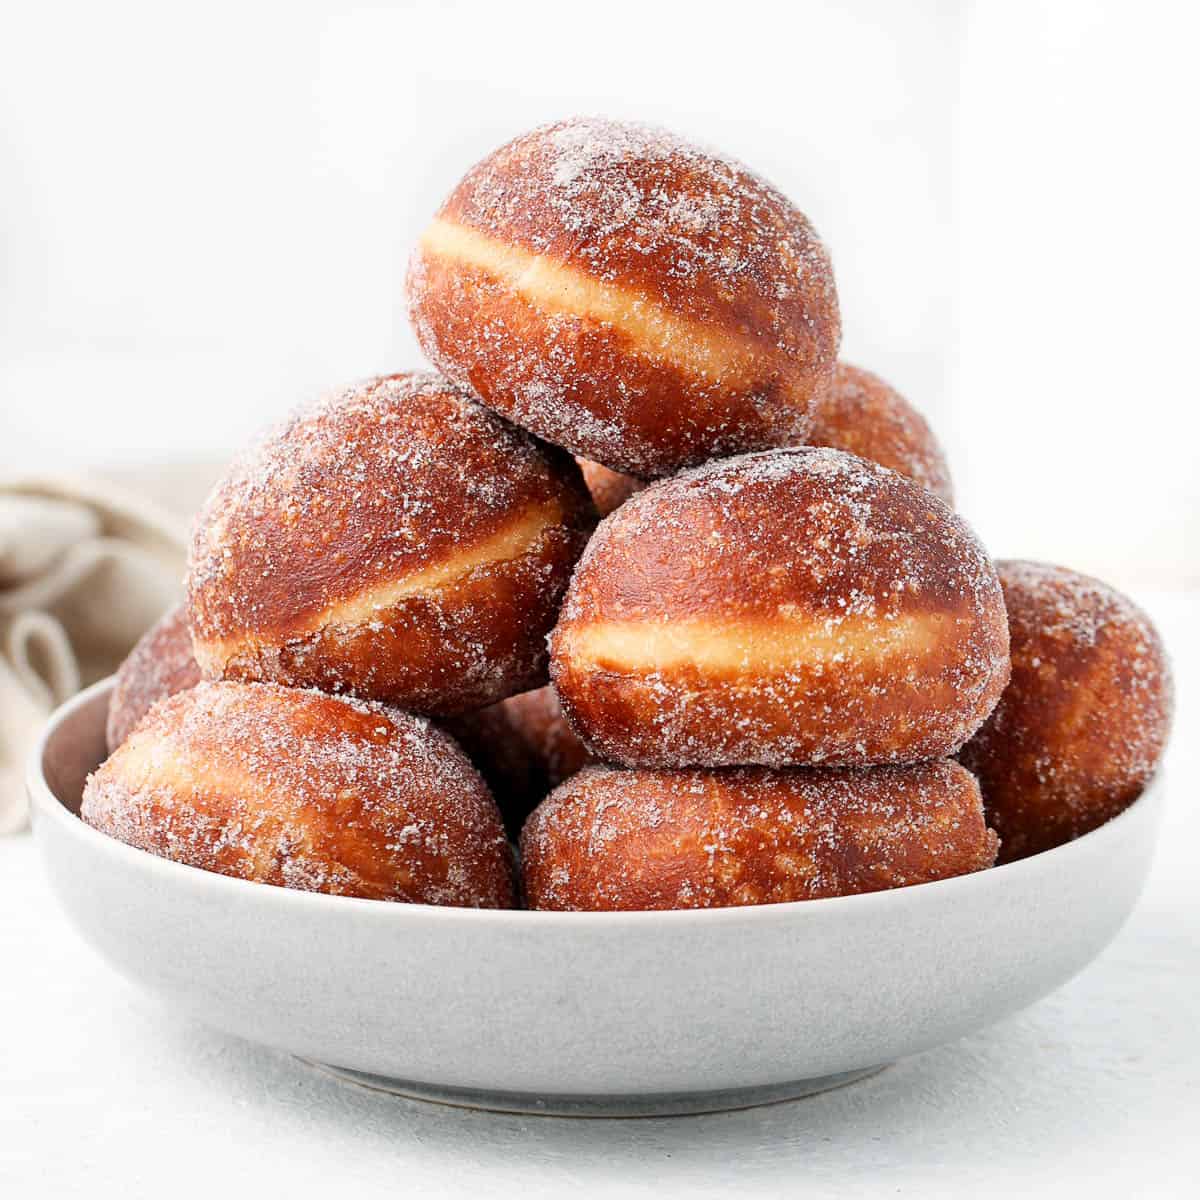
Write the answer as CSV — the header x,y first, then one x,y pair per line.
x,y
307,791
861,413
160,665
646,303
613,839
794,607
297,554
1081,727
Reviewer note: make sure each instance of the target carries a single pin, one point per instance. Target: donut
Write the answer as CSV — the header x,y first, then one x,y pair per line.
x,y
161,664
394,541
308,791
1081,727
859,413
522,747
794,607
500,753
609,489
537,716
641,301
612,839
862,414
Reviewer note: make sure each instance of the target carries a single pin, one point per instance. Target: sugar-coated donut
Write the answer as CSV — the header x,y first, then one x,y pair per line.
x,y
502,756
793,607
643,302
862,414
859,413
613,839
1083,722
609,489
523,747
161,664
395,541
538,718
303,790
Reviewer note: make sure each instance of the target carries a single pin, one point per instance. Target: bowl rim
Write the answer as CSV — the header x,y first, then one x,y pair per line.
x,y
48,806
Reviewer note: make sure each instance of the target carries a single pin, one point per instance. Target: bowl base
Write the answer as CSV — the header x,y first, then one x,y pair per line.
x,y
652,1104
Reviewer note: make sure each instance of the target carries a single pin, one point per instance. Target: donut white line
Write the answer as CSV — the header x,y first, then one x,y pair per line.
x,y
510,542
657,333
732,647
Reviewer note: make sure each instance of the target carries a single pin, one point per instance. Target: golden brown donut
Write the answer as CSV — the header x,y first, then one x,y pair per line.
x,y
1083,722
859,413
795,607
395,541
538,718
522,747
862,414
643,302
609,489
161,664
302,790
500,753
611,839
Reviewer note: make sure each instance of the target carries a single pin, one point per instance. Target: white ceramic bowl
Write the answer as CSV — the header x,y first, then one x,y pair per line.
x,y
584,1013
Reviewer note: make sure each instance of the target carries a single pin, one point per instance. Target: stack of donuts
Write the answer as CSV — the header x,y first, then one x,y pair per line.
x,y
645,601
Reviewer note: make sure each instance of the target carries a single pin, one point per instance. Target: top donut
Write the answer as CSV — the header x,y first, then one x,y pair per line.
x,y
625,294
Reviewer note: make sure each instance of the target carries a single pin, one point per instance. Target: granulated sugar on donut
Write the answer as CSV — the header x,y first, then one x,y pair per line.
x,y
306,791
795,607
1081,727
612,839
537,717
396,541
501,755
523,747
858,412
161,664
641,301
861,413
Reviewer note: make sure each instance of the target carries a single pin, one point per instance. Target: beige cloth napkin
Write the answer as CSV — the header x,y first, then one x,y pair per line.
x,y
86,566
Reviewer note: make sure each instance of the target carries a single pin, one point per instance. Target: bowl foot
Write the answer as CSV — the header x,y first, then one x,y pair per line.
x,y
653,1104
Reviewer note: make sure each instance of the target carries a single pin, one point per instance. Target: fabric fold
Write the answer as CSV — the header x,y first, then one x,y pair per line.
x,y
85,568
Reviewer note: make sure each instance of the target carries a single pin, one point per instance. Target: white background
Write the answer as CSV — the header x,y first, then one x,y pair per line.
x,y
207,211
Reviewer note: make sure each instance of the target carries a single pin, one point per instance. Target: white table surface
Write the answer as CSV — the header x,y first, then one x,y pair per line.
x,y
104,1092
